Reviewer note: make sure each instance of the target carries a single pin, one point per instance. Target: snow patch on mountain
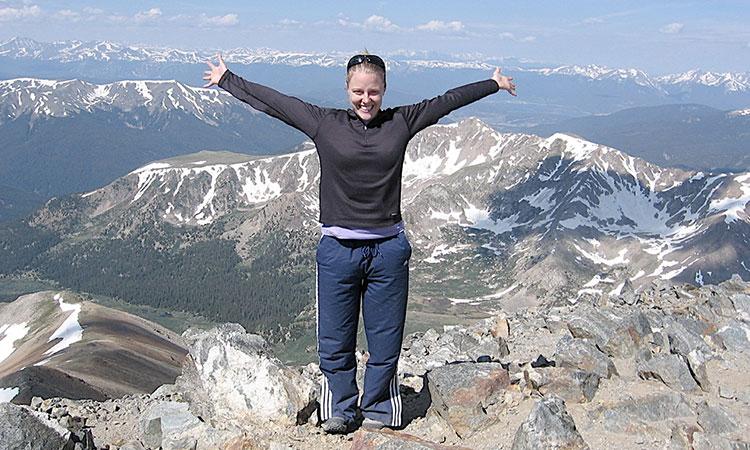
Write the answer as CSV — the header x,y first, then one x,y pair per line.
x,y
9,334
739,113
733,208
70,331
8,394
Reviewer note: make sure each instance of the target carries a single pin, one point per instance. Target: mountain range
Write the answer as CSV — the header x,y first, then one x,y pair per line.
x,y
547,94
689,136
58,137
496,220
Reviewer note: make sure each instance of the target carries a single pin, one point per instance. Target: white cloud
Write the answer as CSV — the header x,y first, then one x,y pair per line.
x,y
290,22
205,21
93,11
440,26
25,12
513,37
373,23
672,28
227,20
67,14
592,20
380,23
151,15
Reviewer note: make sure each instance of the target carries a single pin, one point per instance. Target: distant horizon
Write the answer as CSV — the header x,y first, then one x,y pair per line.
x,y
668,36
428,55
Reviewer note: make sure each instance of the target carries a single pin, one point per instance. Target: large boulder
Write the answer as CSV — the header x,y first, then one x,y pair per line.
x,y
22,430
582,354
612,334
462,393
638,412
548,426
734,335
571,385
670,370
237,379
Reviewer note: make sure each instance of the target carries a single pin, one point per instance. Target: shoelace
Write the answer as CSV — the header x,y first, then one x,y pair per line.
x,y
371,250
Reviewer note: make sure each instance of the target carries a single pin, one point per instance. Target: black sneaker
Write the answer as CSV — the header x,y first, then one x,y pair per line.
x,y
336,425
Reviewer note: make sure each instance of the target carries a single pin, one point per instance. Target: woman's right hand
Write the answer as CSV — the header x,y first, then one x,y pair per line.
x,y
215,73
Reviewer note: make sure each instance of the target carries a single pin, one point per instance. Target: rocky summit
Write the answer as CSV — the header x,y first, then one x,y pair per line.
x,y
666,369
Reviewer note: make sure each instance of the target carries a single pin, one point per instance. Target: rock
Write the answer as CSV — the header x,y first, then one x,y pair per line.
x,y
735,336
697,364
166,391
571,385
22,430
389,440
610,334
727,392
741,304
715,420
704,441
670,370
170,425
242,379
582,354
462,393
500,328
132,445
548,426
481,341
682,437
628,415
683,341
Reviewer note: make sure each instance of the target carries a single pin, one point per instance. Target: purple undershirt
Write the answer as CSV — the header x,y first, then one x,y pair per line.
x,y
362,233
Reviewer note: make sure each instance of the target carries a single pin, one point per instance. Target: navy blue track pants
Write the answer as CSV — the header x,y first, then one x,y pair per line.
x,y
375,275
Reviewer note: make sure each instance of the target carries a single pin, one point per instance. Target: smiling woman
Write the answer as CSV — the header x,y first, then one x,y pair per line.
x,y
365,84
363,255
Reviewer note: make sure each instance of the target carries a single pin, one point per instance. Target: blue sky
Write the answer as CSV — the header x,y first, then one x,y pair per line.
x,y
659,36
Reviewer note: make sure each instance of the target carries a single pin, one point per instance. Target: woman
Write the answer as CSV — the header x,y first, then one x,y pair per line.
x,y
363,255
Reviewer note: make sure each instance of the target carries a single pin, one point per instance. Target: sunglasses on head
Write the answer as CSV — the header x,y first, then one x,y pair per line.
x,y
359,59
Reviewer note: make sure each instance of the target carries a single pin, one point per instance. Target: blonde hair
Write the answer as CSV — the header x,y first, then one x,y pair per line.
x,y
365,67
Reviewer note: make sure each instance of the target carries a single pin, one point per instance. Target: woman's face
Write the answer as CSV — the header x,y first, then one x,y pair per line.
x,y
366,91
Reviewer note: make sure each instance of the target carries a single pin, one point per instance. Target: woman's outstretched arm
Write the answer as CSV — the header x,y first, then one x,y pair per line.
x,y
291,110
427,112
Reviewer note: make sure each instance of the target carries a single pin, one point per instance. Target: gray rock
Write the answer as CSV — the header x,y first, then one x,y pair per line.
x,y
705,441
620,415
242,379
735,336
22,430
684,340
741,304
727,392
132,445
170,425
570,384
583,355
612,335
715,420
549,426
386,440
670,370
697,364
483,340
721,305
461,394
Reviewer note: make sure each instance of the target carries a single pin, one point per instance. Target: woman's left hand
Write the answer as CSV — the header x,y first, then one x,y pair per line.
x,y
505,83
